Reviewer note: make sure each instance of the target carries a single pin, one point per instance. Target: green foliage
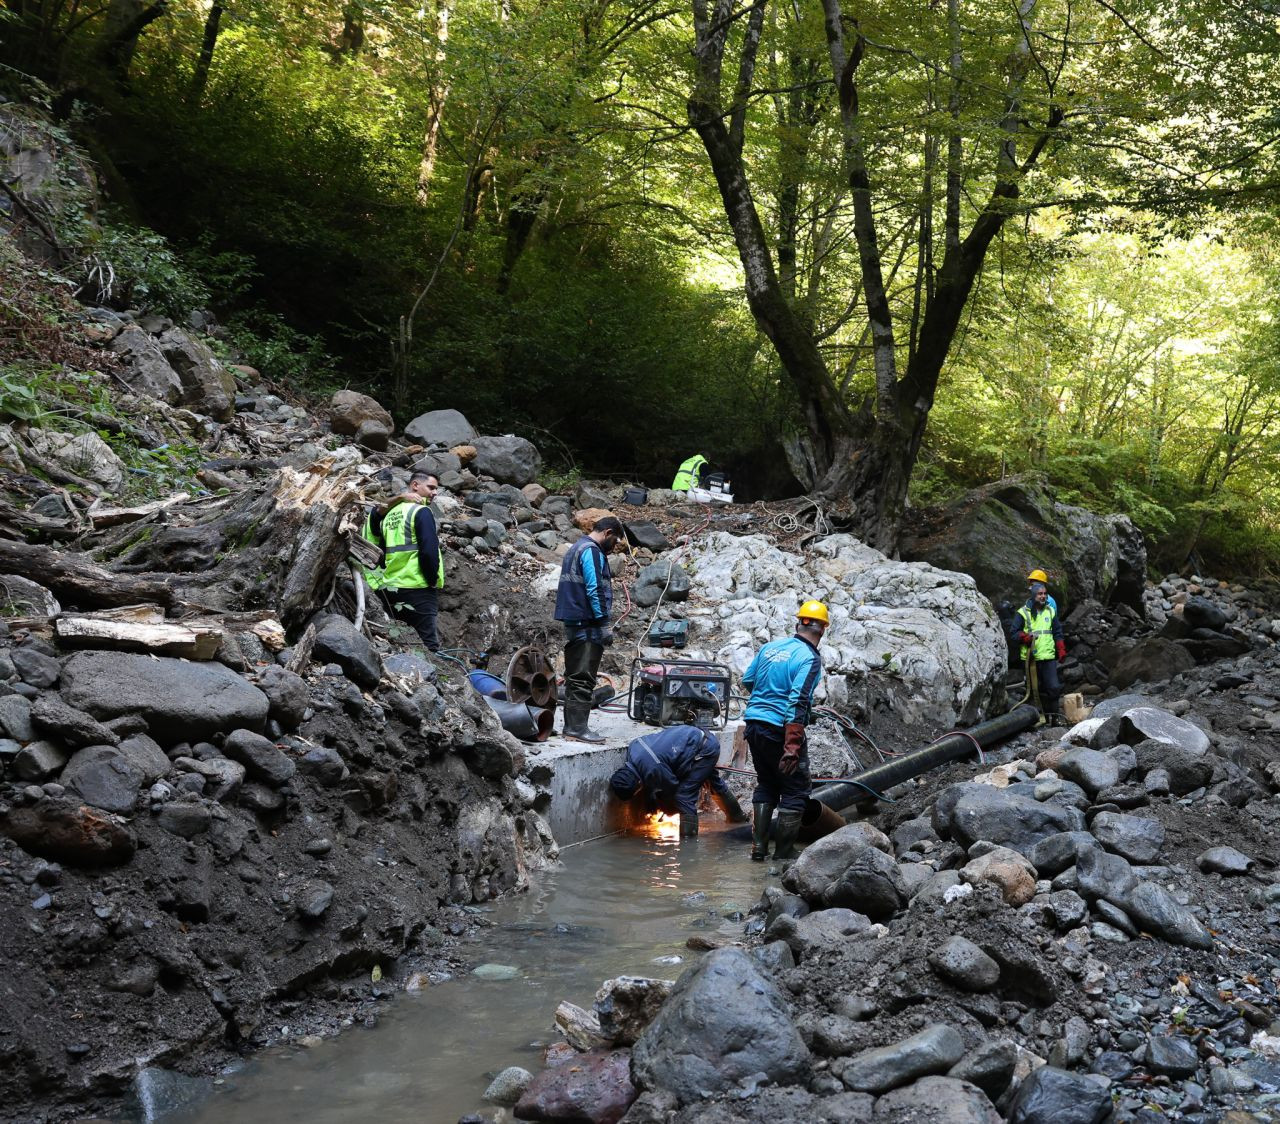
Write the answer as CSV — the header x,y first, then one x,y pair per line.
x,y
130,266
18,398
282,353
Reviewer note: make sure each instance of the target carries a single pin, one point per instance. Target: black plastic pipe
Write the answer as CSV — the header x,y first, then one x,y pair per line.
x,y
528,723
870,782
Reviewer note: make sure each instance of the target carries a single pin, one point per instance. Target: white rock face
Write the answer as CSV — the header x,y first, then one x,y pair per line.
x,y
904,635
85,454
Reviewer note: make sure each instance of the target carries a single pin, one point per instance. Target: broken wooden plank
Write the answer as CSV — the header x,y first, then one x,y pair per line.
x,y
104,516
127,636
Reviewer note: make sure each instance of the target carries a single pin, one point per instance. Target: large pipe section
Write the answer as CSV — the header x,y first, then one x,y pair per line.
x,y
864,785
528,723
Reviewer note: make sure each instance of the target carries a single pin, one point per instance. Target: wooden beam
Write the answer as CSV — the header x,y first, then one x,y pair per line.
x,y
128,636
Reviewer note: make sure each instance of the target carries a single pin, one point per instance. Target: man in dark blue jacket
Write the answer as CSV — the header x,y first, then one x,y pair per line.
x,y
584,600
781,680
671,766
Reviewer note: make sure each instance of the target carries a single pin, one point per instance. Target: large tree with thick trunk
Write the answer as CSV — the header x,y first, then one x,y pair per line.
x,y
940,120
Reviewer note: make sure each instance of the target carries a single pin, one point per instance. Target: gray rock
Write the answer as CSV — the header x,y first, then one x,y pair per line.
x,y
39,760
1091,770
314,898
933,1050
509,1086
1100,874
103,777
337,639
1053,1096
508,459
1018,822
260,757
1132,837
642,533
1067,909
146,756
260,799
653,579
725,1021
1153,659
349,410
844,869
964,964
1158,783
1053,854
1154,910
936,1100
1200,612
1115,917
325,764
626,1005
1149,723
183,819
207,386
72,727
1223,860
441,427
1185,769
223,776
287,696
15,718
1173,1057
989,1066
145,368
775,957
35,667
180,700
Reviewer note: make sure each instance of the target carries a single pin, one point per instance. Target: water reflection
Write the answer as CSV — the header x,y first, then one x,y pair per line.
x,y
624,905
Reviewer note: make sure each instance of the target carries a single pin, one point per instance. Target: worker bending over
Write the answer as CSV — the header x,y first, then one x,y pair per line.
x,y
781,680
670,766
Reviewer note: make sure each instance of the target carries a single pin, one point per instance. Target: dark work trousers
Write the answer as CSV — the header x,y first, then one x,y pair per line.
x,y
786,791
581,663
417,607
1050,685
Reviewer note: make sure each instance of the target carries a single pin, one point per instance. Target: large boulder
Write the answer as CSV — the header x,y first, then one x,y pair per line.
x,y
207,386
349,410
67,831
595,1089
1005,818
660,581
85,454
337,639
844,869
919,641
180,701
725,1021
508,459
144,367
997,533
103,777
1153,659
440,427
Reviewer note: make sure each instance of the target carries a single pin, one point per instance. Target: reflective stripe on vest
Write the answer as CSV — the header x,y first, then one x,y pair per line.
x,y
401,569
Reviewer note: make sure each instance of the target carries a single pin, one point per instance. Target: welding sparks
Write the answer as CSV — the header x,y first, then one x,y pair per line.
x,y
662,826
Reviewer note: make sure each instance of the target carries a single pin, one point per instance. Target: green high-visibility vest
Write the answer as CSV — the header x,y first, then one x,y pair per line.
x,y
401,569
687,474
1040,625
373,576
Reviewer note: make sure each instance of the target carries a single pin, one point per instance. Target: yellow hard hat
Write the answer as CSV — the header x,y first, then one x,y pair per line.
x,y
814,611
1038,576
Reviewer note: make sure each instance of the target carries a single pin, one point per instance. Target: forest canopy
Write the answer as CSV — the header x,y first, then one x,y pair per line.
x,y
886,252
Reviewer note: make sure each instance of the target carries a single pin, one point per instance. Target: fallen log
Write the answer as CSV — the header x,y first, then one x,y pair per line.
x,y
104,516
130,636
75,579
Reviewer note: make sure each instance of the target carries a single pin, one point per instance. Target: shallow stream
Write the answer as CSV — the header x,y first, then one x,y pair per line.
x,y
623,905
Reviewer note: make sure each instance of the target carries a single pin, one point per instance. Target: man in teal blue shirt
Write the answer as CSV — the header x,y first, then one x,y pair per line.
x,y
781,680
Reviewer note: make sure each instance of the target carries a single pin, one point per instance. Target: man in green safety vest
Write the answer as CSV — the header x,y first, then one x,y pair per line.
x,y
1038,632
371,532
413,565
689,475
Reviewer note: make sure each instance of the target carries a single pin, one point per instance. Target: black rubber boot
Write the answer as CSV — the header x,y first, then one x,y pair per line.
x,y
760,832
688,826
784,835
575,725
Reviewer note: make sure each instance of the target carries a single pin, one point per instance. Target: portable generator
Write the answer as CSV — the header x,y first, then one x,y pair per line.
x,y
712,488
679,692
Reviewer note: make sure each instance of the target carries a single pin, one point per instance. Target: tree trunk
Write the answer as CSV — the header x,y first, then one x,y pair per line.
x,y
79,581
200,78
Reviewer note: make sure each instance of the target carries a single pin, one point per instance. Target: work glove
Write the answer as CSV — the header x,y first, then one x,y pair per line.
x,y
792,745
1061,650
1025,638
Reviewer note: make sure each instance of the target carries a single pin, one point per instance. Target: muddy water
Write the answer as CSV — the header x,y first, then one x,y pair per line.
x,y
623,905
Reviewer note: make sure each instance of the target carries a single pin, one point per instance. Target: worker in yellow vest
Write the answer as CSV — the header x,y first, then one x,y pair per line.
x,y
413,566
689,475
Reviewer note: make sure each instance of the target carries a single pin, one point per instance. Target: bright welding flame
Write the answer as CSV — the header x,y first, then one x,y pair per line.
x,y
662,826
